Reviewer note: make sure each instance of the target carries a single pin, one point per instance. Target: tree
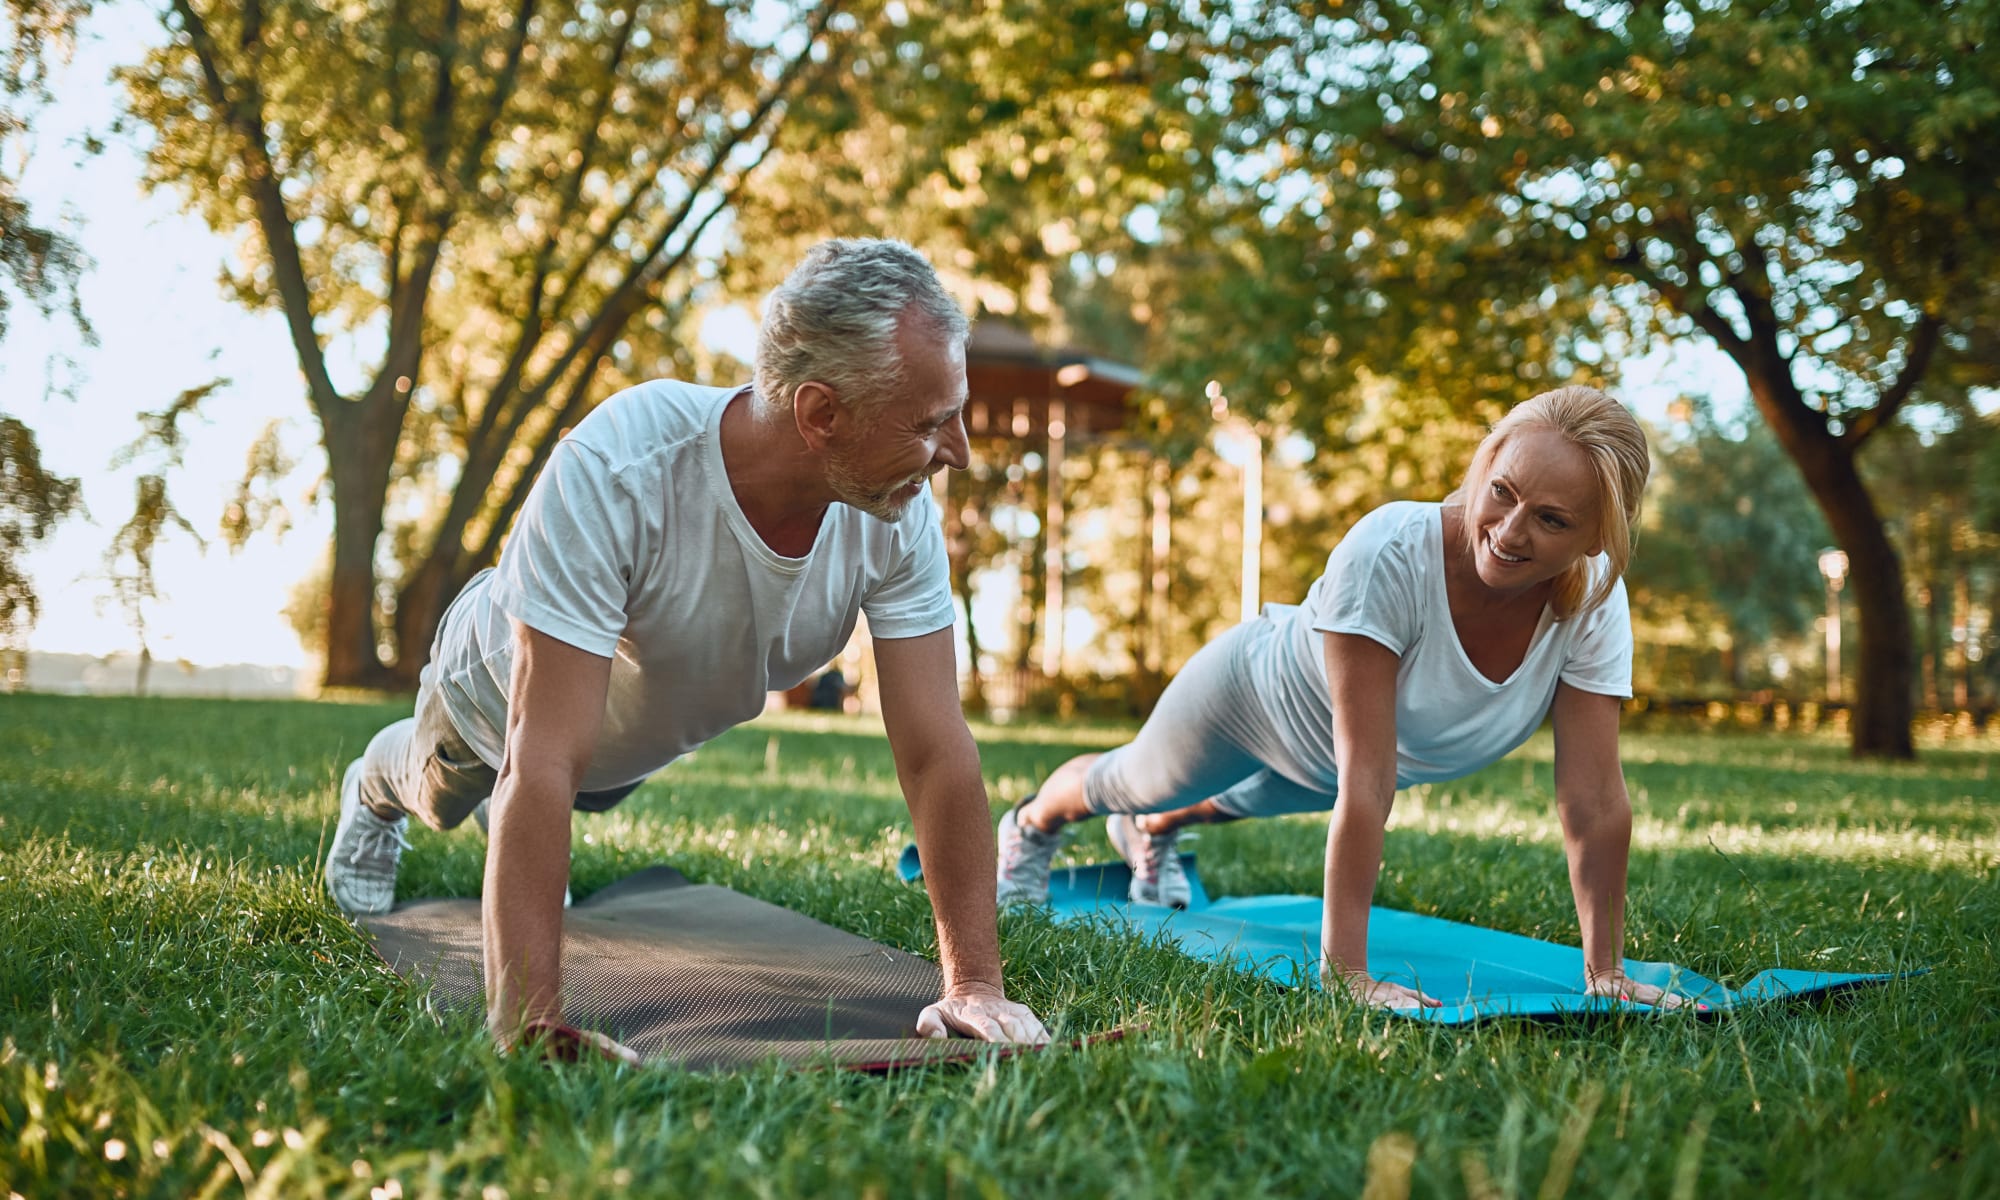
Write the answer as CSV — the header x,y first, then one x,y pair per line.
x,y
32,500
1730,539
1517,191
42,265
501,201
39,263
1943,484
571,174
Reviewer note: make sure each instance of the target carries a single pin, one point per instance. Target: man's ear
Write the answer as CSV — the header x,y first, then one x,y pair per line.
x,y
818,415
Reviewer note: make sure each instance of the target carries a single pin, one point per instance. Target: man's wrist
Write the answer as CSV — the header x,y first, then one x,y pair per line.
x,y
974,986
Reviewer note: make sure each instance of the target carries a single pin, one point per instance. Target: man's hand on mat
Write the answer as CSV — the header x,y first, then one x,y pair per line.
x,y
982,1011
556,1041
1617,985
1380,993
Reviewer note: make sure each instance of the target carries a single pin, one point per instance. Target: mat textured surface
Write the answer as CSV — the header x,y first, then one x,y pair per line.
x,y
697,975
1478,973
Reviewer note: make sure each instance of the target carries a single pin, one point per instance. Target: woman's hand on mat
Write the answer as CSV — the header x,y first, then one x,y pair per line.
x,y
1380,993
1617,985
982,1011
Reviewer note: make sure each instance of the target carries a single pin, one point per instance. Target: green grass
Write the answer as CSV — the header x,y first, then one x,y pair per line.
x,y
183,1012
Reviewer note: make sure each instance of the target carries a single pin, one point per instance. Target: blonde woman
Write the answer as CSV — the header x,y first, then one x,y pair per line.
x,y
1438,639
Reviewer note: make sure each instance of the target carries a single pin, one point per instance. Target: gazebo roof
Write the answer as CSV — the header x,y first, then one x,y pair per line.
x,y
1013,378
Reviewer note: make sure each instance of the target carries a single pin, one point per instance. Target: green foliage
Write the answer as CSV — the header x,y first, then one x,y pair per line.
x,y
1729,530
32,500
1478,201
1810,178
38,263
42,265
184,1009
1943,485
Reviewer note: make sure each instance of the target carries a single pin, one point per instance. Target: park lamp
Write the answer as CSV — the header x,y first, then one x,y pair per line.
x,y
1072,374
1833,565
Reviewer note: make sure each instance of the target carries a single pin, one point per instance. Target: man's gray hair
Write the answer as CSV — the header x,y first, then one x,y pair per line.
x,y
834,319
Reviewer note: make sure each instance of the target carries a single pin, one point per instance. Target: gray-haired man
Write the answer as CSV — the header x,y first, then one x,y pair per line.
x,y
686,551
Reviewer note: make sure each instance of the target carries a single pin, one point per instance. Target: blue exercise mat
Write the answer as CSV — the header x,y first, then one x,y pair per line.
x,y
1478,973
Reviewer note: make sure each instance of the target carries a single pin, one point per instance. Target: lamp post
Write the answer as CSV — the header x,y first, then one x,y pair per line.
x,y
1251,444
1833,565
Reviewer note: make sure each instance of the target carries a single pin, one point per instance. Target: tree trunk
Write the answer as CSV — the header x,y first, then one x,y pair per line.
x,y
1885,681
1884,701
358,467
420,607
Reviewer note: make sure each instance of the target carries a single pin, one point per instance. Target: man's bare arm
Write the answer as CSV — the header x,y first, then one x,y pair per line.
x,y
555,708
938,765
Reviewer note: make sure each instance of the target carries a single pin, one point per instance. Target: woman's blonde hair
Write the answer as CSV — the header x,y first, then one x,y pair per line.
x,y
1610,437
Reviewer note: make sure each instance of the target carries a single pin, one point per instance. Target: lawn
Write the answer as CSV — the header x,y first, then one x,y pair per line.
x,y
182,1010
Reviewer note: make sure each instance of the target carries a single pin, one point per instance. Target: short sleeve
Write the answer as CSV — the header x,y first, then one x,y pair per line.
x,y
1371,585
566,570
915,597
1600,659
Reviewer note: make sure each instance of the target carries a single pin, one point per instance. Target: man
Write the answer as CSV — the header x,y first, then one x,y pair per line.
x,y
686,551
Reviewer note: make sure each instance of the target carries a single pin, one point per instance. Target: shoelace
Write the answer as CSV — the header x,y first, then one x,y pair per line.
x,y
1019,847
377,842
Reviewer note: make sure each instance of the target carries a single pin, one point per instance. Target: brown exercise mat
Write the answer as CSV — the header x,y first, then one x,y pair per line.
x,y
697,975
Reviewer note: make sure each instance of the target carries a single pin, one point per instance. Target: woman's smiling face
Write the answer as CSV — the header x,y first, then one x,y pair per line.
x,y
1536,513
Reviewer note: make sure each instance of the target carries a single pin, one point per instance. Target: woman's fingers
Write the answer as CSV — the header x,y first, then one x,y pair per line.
x,y
1621,987
1380,993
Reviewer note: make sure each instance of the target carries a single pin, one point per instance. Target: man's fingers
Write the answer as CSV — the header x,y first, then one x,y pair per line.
x,y
612,1049
991,1021
1028,1028
558,1042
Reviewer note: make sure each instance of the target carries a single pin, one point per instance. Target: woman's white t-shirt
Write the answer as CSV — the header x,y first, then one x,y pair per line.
x,y
1385,581
631,545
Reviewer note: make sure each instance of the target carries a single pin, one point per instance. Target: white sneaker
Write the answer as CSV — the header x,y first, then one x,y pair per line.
x,y
1157,875
484,819
361,864
1024,858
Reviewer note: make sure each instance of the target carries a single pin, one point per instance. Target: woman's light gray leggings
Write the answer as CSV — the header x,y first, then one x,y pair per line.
x,y
1208,738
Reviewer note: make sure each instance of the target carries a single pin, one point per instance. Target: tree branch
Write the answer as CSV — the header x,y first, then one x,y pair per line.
x,y
503,91
245,118
1923,344
532,324
635,276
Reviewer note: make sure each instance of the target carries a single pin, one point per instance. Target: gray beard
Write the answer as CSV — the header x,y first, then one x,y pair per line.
x,y
881,505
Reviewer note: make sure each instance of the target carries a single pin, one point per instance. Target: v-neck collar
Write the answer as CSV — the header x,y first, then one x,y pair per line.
x,y
1441,608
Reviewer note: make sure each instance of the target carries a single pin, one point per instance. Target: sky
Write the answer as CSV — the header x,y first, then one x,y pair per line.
x,y
162,325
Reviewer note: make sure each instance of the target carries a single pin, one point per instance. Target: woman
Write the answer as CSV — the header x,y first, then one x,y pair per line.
x,y
1438,639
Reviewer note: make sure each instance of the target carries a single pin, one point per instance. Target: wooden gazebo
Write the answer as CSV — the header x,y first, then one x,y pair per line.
x,y
1041,398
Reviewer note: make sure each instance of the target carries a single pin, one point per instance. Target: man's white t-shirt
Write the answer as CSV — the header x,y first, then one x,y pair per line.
x,y
631,545
1385,581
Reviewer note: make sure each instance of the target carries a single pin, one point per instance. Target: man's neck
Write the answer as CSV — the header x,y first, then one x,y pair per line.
x,y
772,477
